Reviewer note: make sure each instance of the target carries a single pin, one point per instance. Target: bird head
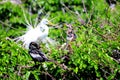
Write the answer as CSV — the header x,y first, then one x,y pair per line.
x,y
34,45
46,22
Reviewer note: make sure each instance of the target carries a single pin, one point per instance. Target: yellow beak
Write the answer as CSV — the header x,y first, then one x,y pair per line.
x,y
51,24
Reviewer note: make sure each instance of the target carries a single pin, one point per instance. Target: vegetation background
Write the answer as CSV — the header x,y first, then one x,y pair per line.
x,y
90,57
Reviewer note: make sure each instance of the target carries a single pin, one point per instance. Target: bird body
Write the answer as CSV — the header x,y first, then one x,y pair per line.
x,y
71,36
36,34
36,54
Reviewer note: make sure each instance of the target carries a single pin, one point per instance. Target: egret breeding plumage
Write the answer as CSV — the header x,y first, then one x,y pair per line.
x,y
36,34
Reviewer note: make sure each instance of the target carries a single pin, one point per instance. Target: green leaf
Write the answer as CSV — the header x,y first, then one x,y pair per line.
x,y
26,76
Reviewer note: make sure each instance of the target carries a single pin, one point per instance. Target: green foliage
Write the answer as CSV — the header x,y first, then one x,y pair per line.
x,y
90,54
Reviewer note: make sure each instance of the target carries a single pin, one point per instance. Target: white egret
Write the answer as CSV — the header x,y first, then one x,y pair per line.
x,y
37,34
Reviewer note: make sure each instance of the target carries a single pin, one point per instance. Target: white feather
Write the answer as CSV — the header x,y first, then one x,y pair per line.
x,y
37,34
35,55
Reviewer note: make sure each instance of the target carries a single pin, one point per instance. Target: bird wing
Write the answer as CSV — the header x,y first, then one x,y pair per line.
x,y
29,27
43,56
35,55
31,36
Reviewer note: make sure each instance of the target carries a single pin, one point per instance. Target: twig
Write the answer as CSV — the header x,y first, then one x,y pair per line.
x,y
64,76
115,60
85,10
89,18
22,67
76,76
61,65
80,18
49,75
67,8
6,24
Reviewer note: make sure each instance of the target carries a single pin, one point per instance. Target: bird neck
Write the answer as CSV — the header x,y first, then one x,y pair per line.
x,y
46,28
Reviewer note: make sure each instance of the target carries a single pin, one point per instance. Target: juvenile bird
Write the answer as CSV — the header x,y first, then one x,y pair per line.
x,y
71,36
36,54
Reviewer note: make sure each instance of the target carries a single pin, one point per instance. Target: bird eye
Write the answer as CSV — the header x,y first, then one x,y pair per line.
x,y
46,21
42,29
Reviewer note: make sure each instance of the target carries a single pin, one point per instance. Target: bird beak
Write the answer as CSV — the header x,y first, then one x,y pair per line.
x,y
51,24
